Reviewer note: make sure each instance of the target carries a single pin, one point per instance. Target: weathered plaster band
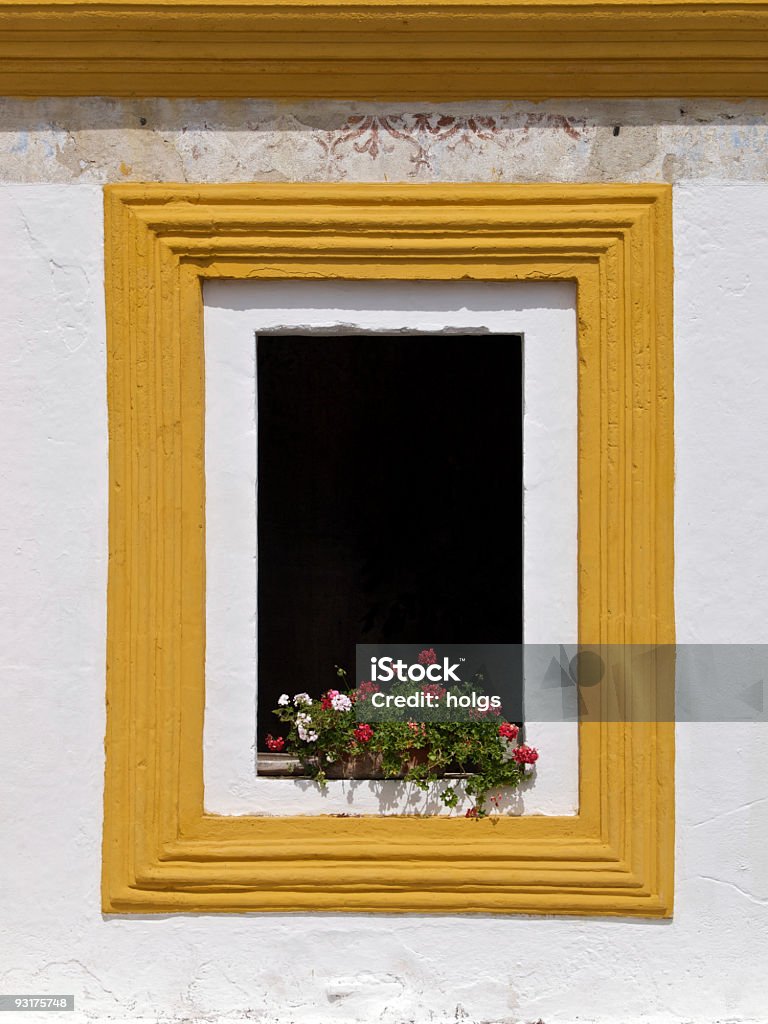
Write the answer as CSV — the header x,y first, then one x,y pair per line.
x,y
97,140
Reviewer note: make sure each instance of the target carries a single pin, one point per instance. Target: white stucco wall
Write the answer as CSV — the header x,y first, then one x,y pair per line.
x,y
705,965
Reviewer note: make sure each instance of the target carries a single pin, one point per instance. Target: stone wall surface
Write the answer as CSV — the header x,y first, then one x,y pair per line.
x,y
707,964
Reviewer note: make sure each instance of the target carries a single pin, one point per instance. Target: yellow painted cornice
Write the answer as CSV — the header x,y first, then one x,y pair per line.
x,y
387,49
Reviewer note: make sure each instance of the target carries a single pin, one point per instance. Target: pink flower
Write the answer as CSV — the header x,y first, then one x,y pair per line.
x,y
428,657
419,731
363,733
508,730
327,699
525,755
275,742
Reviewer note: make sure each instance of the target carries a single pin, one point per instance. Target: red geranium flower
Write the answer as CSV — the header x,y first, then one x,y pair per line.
x,y
428,657
479,713
275,743
508,730
525,755
365,690
363,733
435,689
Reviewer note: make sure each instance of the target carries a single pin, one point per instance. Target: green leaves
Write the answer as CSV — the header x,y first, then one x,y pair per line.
x,y
423,753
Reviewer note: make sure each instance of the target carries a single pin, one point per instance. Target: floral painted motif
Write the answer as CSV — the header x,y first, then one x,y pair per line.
x,y
427,136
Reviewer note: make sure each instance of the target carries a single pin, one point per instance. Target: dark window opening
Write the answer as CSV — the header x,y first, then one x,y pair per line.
x,y
389,500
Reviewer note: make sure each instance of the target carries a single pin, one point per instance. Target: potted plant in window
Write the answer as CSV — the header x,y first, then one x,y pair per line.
x,y
339,735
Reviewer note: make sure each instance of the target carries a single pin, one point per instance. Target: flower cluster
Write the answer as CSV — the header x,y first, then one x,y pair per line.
x,y
336,700
525,755
484,713
363,733
508,730
434,690
304,728
482,751
366,690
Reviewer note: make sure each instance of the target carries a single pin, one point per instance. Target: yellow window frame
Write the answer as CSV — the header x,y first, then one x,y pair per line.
x,y
162,852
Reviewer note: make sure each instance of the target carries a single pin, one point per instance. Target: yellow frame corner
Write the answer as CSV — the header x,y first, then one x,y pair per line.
x,y
161,851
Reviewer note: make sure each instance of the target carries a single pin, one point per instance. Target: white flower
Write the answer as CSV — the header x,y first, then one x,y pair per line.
x,y
284,699
341,702
302,698
303,723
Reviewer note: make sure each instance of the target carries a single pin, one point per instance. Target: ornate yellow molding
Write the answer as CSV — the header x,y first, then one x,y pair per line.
x,y
385,49
162,852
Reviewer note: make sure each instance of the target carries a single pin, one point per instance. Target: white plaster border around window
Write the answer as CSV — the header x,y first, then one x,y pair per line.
x,y
235,312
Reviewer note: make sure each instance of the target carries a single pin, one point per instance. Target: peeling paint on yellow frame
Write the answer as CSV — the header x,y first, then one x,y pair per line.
x,y
424,50
162,852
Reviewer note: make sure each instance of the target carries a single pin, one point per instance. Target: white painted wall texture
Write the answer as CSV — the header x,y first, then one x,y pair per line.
x,y
705,965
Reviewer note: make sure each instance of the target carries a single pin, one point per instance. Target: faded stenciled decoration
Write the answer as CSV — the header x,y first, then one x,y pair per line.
x,y
426,137
99,140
